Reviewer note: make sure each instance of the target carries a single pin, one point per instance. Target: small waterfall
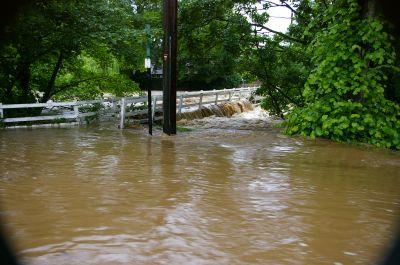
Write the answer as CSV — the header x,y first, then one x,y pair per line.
x,y
231,115
227,109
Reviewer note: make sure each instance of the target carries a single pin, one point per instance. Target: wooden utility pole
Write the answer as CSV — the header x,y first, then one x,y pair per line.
x,y
170,66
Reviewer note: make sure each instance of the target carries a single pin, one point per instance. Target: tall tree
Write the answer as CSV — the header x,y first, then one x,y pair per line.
x,y
50,42
212,36
344,94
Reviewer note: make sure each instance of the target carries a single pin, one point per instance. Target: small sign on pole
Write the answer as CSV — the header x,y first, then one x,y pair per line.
x,y
147,63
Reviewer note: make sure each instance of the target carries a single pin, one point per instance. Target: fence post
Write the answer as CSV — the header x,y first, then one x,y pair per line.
x,y
180,104
113,107
201,100
76,113
1,111
224,93
214,91
230,95
216,98
122,114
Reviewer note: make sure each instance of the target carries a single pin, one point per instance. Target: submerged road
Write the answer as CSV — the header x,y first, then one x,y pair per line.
x,y
243,194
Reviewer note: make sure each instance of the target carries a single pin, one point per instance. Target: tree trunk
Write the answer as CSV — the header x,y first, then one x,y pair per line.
x,y
24,78
9,93
368,8
49,92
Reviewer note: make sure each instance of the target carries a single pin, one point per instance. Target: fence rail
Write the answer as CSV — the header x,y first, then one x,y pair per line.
x,y
75,115
122,107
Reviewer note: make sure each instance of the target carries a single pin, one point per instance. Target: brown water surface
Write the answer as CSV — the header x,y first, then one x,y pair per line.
x,y
209,196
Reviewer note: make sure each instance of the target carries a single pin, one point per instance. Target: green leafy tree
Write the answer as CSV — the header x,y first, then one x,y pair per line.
x,y
56,47
282,71
278,61
344,94
212,36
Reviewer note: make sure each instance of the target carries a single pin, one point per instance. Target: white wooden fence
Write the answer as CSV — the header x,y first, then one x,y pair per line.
x,y
124,107
197,98
74,115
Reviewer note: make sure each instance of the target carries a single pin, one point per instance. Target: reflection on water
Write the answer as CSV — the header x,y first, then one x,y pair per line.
x,y
210,196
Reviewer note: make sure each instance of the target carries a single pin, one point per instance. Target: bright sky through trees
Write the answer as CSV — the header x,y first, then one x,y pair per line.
x,y
279,18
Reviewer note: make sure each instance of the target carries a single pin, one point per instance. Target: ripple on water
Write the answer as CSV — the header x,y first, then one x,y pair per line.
x,y
209,196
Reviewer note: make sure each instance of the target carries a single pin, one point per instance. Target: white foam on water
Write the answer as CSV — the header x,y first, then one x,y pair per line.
x,y
253,119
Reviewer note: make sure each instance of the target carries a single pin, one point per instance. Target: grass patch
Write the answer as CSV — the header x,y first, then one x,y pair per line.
x,y
183,129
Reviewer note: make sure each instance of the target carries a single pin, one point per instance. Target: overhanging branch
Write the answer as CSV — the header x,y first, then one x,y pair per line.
x,y
283,35
75,83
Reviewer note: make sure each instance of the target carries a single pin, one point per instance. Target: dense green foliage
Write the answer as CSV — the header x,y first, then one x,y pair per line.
x,y
278,60
344,94
68,49
282,87
212,37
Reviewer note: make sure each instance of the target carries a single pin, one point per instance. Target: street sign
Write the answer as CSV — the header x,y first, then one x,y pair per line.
x,y
147,63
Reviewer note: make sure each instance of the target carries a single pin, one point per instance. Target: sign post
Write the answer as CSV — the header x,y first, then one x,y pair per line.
x,y
169,66
147,65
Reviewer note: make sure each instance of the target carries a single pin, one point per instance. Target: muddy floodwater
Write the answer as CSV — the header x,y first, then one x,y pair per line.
x,y
228,192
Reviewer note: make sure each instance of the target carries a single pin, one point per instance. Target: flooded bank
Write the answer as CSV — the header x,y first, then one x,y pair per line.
x,y
231,191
